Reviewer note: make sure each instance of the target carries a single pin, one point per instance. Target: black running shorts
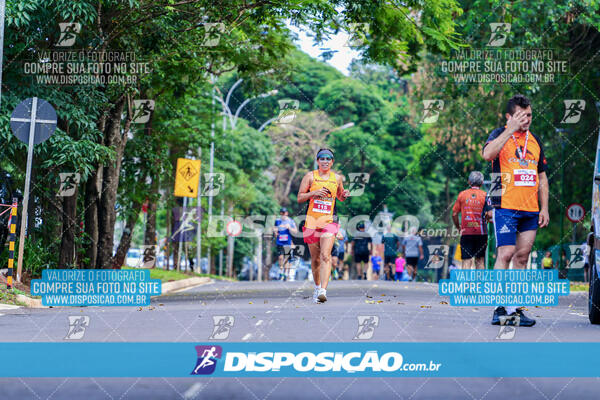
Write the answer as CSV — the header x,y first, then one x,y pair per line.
x,y
472,246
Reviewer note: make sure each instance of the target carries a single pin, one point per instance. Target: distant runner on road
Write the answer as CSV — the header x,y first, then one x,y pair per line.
x,y
391,244
472,226
362,247
284,227
412,246
321,188
519,192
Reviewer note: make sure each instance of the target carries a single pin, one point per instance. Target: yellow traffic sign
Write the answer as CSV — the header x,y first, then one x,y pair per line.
x,y
187,177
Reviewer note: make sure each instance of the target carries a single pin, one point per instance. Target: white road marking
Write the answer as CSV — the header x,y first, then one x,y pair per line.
x,y
259,322
8,307
247,336
192,391
1,315
269,311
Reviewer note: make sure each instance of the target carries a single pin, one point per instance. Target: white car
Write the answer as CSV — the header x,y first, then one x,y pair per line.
x,y
133,258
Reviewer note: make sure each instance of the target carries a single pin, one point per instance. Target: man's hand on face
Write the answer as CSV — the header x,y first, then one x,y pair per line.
x,y
516,120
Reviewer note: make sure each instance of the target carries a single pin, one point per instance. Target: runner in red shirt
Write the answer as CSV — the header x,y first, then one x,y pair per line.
x,y
473,229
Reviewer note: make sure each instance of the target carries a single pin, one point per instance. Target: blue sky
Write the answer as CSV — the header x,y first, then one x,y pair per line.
x,y
341,59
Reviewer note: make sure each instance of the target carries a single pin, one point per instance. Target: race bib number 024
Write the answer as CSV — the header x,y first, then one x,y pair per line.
x,y
525,177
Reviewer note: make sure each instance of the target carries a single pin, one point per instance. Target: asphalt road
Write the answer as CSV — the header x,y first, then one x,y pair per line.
x,y
283,311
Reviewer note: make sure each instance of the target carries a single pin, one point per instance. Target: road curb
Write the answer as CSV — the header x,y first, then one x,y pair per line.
x,y
30,302
8,307
169,287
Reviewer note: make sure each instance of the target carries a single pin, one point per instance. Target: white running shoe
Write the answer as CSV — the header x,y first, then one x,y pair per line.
x,y
322,296
315,295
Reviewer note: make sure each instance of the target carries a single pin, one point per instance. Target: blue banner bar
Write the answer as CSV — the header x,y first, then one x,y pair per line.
x,y
227,359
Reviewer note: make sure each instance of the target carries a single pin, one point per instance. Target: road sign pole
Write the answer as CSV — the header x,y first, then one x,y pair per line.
x,y
199,217
27,183
181,233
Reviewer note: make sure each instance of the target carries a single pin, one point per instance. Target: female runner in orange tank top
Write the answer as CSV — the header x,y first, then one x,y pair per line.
x,y
321,188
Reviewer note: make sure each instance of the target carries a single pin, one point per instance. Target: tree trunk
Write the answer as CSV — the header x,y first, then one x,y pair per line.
x,y
92,196
91,204
284,199
150,232
66,256
113,138
125,241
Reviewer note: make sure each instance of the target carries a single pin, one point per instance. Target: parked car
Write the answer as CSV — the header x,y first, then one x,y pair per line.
x,y
299,270
244,274
594,242
133,258
184,264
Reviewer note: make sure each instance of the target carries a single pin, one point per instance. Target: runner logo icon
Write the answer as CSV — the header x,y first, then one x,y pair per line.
x,y
142,109
77,326
207,359
499,34
578,252
508,327
573,111
68,183
431,111
223,325
68,33
437,256
366,326
358,181
212,33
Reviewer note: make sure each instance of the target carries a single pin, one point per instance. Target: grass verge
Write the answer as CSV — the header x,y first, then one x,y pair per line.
x,y
579,287
9,296
167,276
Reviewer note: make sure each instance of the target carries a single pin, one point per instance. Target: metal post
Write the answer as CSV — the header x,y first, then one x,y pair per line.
x,y
12,220
210,170
221,251
259,252
562,197
199,215
230,249
181,233
27,184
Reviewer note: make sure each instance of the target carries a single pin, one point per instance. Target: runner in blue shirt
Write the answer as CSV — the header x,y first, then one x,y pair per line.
x,y
284,227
